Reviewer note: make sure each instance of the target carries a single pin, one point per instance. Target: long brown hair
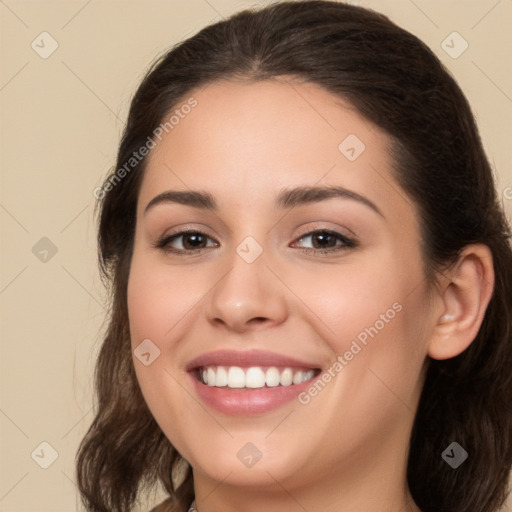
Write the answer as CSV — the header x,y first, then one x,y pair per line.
x,y
396,82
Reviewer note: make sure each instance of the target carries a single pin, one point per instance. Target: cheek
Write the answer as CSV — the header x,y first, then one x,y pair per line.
x,y
160,297
375,319
158,304
372,321
348,300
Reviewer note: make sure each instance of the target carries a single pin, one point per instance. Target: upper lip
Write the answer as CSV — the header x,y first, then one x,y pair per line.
x,y
247,359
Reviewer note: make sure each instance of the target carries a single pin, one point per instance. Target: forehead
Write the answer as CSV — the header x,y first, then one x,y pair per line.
x,y
261,136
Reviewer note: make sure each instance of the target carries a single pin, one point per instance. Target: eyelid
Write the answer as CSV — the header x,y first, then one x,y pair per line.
x,y
322,227
188,228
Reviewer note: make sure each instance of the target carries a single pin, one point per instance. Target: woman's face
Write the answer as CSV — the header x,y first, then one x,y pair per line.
x,y
322,294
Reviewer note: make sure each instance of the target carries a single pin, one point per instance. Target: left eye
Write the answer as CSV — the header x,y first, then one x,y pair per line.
x,y
324,241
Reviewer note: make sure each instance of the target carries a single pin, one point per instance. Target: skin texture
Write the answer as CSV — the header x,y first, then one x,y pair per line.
x,y
346,449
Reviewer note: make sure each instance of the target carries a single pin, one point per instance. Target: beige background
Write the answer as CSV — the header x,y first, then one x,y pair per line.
x,y
61,119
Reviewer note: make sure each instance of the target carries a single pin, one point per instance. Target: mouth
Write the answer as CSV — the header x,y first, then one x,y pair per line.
x,y
251,382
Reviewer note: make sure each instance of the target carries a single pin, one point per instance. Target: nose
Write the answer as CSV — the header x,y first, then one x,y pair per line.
x,y
248,297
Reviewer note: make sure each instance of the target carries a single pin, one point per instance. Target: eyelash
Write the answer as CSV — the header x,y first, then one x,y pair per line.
x,y
347,243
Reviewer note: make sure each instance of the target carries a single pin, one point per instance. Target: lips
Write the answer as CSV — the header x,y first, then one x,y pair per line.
x,y
250,382
247,359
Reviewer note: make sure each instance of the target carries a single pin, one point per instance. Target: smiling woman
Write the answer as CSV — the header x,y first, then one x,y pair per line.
x,y
312,310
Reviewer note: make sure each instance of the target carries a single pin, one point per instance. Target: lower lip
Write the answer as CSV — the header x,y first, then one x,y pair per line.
x,y
247,401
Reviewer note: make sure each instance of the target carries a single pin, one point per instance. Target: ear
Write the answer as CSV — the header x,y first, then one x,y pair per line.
x,y
464,294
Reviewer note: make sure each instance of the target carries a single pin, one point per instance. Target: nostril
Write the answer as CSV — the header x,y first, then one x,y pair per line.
x,y
258,320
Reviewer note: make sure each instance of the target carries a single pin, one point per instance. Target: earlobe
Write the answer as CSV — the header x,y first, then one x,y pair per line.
x,y
464,298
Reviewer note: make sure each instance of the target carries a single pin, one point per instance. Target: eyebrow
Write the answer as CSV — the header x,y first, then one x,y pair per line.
x,y
287,198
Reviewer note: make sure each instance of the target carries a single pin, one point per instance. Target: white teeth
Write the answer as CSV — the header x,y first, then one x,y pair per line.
x,y
272,377
286,377
254,377
308,375
236,377
221,379
210,374
297,378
